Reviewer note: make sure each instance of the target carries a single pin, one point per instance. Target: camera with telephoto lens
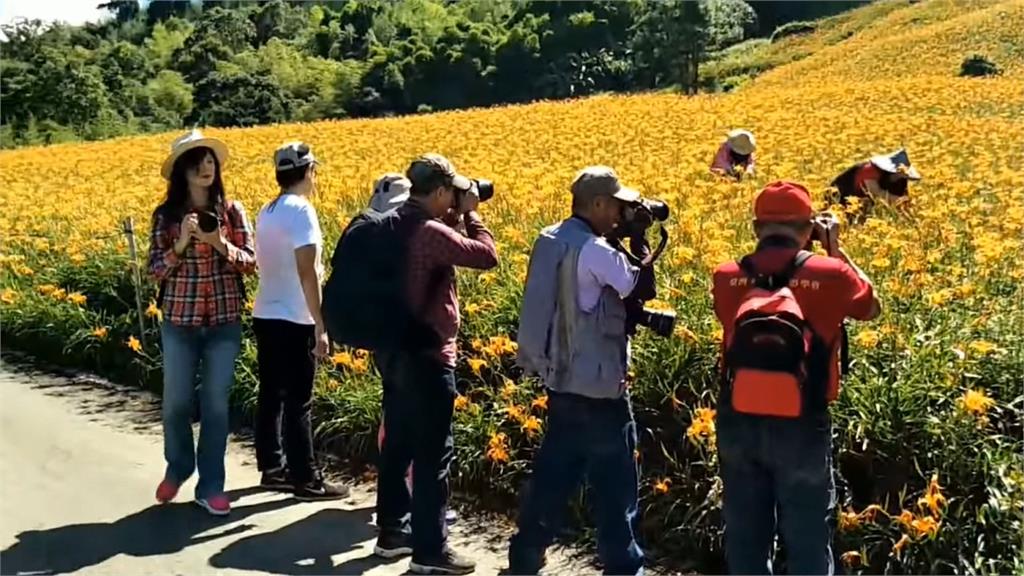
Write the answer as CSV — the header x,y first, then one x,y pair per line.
x,y
637,218
208,222
484,188
661,322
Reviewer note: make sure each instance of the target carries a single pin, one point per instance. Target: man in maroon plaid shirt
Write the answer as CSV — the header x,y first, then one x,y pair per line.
x,y
419,387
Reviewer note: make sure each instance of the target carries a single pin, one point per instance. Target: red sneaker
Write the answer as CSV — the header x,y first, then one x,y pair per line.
x,y
218,505
166,491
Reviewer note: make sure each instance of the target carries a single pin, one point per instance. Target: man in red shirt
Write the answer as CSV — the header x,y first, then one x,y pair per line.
x,y
777,471
419,386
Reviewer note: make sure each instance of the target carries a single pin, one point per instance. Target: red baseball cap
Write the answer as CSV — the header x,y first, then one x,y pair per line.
x,y
783,202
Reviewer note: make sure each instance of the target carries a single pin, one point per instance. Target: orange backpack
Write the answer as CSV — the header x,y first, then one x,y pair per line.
x,y
775,365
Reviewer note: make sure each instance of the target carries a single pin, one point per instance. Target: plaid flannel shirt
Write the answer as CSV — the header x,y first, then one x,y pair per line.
x,y
434,252
202,287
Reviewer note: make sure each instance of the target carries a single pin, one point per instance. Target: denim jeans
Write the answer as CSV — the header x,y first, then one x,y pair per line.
x,y
284,354
776,475
419,399
185,349
588,438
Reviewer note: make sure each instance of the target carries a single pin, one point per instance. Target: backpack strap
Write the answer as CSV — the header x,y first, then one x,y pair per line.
x,y
778,280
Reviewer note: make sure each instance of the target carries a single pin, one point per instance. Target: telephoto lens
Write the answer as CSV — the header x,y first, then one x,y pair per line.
x,y
657,208
484,188
661,322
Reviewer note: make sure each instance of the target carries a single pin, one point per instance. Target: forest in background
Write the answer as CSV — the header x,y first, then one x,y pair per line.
x,y
163,65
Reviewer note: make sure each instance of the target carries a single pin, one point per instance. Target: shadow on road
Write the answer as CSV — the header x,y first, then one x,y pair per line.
x,y
154,531
306,546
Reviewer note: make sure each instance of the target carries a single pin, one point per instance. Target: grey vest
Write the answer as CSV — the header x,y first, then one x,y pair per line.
x,y
584,353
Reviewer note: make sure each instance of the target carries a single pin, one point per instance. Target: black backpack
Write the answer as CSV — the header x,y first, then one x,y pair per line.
x,y
364,300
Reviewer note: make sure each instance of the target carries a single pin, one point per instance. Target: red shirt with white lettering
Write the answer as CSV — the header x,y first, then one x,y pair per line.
x,y
827,289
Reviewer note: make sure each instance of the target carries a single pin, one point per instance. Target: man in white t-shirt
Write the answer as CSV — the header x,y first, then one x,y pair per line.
x,y
290,334
574,333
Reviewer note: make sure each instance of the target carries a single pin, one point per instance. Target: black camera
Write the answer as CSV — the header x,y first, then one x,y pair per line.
x,y
638,216
661,322
208,221
484,188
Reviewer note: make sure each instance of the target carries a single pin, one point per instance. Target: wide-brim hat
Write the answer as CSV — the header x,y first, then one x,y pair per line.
x,y
896,163
193,139
742,141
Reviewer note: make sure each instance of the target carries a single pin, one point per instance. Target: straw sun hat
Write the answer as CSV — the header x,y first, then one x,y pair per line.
x,y
193,139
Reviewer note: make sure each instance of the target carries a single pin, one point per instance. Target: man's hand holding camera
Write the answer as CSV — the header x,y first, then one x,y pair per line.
x,y
826,232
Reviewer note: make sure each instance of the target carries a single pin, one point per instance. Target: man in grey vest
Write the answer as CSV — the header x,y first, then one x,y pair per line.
x,y
573,334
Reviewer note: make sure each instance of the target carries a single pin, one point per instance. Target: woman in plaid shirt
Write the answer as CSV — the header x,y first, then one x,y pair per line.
x,y
201,246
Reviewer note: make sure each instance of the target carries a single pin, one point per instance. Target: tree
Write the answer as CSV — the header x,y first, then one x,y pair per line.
x,y
670,40
238,100
217,37
166,38
728,22
123,10
159,10
166,100
276,19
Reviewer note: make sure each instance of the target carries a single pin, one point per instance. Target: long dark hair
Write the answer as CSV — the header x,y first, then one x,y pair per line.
x,y
176,203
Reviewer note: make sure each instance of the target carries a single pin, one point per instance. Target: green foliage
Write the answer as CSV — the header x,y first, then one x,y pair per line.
x,y
167,99
353,58
978,65
166,38
238,100
793,29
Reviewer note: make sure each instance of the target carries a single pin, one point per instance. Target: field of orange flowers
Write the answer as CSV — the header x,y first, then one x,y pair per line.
x,y
929,426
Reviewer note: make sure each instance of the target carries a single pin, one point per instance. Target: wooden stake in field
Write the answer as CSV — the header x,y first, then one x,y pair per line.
x,y
129,231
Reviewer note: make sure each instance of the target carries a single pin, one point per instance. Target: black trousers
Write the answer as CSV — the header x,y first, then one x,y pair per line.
x,y
419,396
284,353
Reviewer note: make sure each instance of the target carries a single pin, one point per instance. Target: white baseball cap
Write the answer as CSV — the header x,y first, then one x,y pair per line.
x,y
390,191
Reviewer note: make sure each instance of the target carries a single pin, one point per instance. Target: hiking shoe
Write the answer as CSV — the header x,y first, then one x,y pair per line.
x,y
218,505
447,562
392,544
451,516
276,480
167,490
320,489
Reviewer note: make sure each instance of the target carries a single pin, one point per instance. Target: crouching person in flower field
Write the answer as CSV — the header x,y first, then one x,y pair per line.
x,y
201,246
781,310
573,333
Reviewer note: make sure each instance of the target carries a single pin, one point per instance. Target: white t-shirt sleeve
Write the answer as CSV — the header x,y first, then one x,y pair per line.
x,y
601,265
305,229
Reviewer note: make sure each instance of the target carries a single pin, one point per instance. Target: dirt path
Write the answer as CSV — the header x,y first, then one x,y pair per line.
x,y
81,458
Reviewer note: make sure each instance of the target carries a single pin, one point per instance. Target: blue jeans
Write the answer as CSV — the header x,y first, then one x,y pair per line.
x,y
595,439
184,348
776,474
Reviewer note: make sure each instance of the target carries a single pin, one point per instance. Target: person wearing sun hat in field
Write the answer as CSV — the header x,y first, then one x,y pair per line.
x,y
735,157
880,178
201,246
